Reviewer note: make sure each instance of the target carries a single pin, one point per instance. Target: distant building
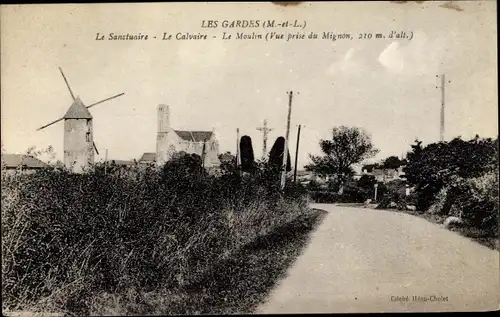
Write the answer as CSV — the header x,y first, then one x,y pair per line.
x,y
27,164
384,175
148,158
357,176
306,176
123,163
170,141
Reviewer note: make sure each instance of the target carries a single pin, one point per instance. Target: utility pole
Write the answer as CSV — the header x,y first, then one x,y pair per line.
x,y
203,153
296,157
285,150
238,160
441,121
105,161
265,130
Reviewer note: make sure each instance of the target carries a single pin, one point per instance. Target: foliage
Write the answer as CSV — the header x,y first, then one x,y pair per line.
x,y
475,200
276,155
313,185
394,192
246,153
228,162
235,285
363,189
370,167
348,146
392,162
431,167
67,237
366,181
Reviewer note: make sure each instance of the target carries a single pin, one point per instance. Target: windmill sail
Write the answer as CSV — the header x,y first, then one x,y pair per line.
x,y
67,84
49,124
115,96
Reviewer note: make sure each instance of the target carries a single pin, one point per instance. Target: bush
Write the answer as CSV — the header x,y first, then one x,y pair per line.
x,y
67,237
432,167
475,200
363,189
394,192
324,197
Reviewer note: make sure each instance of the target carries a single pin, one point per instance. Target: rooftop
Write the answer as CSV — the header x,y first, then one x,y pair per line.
x,y
77,111
122,162
194,136
148,157
16,160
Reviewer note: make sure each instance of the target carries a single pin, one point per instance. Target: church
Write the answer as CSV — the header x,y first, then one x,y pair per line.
x,y
170,141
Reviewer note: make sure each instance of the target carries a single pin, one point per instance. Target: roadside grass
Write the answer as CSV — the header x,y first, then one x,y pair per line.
x,y
236,285
477,235
128,244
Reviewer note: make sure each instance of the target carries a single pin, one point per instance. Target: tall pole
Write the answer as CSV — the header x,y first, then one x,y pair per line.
x,y
105,161
441,134
265,131
296,156
285,150
238,160
203,154
441,119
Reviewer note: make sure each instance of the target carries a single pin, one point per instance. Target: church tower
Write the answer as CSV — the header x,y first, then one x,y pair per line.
x,y
162,137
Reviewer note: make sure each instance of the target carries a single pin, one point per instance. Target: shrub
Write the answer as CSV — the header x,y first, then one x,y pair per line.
x,y
324,197
475,200
430,168
394,192
67,237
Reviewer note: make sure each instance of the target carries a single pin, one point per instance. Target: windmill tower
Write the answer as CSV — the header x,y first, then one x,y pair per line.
x,y
79,143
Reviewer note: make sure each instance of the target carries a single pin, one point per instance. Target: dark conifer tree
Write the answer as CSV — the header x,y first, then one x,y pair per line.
x,y
276,154
246,152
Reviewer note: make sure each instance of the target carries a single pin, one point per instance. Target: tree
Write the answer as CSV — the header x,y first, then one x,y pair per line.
x,y
276,155
366,182
348,146
247,157
227,162
182,166
436,165
392,162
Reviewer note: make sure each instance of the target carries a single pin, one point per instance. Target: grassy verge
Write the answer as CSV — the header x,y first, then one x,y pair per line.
x,y
79,244
474,234
233,286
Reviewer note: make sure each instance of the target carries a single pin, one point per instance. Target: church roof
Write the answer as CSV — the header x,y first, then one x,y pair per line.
x,y
122,162
77,111
148,157
194,136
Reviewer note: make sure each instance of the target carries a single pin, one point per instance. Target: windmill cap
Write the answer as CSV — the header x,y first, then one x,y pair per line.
x,y
77,111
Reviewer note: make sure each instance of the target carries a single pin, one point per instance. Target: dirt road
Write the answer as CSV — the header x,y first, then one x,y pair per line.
x,y
365,260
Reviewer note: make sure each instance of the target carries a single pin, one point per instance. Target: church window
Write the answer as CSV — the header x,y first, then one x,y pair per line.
x,y
87,136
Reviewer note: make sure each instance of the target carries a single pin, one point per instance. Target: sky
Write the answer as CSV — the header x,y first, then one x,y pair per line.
x,y
385,86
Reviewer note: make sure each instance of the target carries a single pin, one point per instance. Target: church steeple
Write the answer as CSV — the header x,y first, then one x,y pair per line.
x,y
162,135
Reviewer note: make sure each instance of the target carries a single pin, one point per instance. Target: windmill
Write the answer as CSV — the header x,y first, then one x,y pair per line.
x,y
79,143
